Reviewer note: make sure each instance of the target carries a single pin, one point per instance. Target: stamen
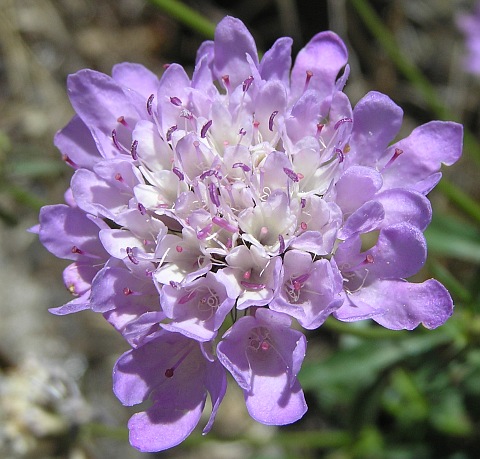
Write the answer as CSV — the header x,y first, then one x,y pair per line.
x,y
178,173
176,101
174,284
67,159
121,120
319,130
247,83
115,141
369,259
118,177
186,298
205,128
304,226
396,154
204,232
226,81
282,244
179,248
222,223
303,202
307,79
206,174
340,155
169,372
244,167
270,120
213,192
170,131
149,104
342,121
133,150
127,291
247,274
131,257
252,285
141,208
76,250
290,174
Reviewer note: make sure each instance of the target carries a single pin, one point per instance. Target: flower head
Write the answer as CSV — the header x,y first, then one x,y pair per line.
x,y
244,190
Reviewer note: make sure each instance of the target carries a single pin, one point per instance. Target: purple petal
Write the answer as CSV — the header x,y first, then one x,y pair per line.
x,y
424,151
100,102
405,305
400,252
68,233
263,354
77,145
136,77
356,186
324,56
277,61
376,122
162,427
367,218
405,206
96,195
232,42
78,304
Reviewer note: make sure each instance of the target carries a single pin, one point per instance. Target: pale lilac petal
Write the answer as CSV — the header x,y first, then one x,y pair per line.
x,y
68,233
76,305
136,77
76,144
405,305
162,427
400,252
277,61
405,206
367,218
259,352
377,120
232,43
324,55
96,195
356,186
423,152
100,102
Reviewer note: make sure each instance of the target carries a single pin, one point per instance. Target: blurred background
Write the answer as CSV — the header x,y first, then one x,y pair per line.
x,y
372,393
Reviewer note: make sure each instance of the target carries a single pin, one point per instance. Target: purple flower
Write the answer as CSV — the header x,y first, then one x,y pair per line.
x,y
176,373
245,190
264,355
469,25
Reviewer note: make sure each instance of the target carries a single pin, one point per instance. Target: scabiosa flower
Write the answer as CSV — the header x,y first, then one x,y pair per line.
x,y
205,215
469,25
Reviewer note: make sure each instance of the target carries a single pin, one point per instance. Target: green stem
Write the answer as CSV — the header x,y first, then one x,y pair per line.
x,y
186,16
410,71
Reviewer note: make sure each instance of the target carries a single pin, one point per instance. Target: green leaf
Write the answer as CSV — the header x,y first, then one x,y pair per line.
x,y
352,369
452,237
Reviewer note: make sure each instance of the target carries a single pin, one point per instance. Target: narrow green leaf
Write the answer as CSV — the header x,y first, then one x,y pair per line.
x,y
187,16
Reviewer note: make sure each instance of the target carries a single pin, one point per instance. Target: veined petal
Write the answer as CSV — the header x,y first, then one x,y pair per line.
x,y
405,305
